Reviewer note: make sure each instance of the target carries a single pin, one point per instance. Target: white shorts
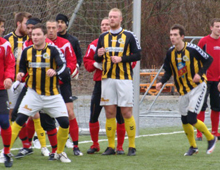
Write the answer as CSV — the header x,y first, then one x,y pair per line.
x,y
13,95
117,92
193,100
52,105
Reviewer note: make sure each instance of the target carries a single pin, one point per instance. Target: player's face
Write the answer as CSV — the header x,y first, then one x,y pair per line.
x,y
2,28
216,29
61,27
105,25
52,30
29,29
175,37
23,27
38,37
115,19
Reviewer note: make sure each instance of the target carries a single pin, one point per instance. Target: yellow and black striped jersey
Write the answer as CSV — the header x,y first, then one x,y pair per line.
x,y
36,63
123,44
184,64
16,46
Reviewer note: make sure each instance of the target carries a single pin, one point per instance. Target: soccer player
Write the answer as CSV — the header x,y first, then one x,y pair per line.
x,y
95,108
7,75
65,88
32,123
44,63
116,49
211,45
63,23
188,64
16,40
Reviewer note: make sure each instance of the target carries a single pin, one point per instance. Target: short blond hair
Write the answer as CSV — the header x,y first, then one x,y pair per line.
x,y
116,10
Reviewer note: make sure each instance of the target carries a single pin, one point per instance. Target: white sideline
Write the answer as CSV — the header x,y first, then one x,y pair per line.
x,y
105,140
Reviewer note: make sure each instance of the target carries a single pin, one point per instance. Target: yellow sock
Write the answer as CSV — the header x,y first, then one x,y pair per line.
x,y
40,132
110,127
130,127
62,136
202,128
189,131
15,128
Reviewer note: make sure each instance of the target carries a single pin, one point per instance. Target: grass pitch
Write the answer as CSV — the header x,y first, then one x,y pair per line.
x,y
157,149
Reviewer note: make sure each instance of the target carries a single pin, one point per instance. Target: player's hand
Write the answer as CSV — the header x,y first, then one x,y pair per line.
x,y
15,86
51,72
158,86
196,78
98,65
7,83
218,86
19,76
116,59
101,51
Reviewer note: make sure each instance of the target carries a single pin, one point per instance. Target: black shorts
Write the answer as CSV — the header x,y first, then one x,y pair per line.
x,y
212,90
66,92
4,103
47,122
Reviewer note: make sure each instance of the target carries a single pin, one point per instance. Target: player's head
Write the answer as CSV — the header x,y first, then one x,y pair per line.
x,y
115,18
2,25
63,23
215,27
105,25
39,32
177,33
20,21
52,29
30,24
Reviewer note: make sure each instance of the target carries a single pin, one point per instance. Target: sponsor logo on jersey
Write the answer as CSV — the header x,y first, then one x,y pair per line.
x,y
114,49
216,48
38,65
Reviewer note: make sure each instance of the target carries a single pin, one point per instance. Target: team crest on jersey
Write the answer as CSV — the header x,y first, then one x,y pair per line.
x,y
182,69
46,56
185,58
17,52
121,41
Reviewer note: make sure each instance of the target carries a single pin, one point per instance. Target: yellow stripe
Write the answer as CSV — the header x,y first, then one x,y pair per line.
x,y
176,70
107,58
38,72
114,41
30,69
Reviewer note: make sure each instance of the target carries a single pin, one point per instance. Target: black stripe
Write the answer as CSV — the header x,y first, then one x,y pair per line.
x,y
109,74
43,73
34,69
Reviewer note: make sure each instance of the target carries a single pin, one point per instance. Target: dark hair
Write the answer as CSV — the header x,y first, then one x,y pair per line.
x,y
178,27
213,21
2,19
20,16
42,27
33,21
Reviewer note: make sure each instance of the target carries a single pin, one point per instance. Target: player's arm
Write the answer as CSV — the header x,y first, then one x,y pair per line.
x,y
9,72
167,73
100,51
88,59
22,65
62,71
205,58
77,50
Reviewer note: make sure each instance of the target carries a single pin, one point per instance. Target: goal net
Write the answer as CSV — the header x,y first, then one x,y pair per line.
x,y
86,27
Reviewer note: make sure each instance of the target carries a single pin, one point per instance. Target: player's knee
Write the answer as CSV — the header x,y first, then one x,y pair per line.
x,y
63,122
192,118
21,119
184,119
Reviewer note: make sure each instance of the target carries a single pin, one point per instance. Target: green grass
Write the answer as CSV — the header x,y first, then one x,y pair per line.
x,y
160,152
